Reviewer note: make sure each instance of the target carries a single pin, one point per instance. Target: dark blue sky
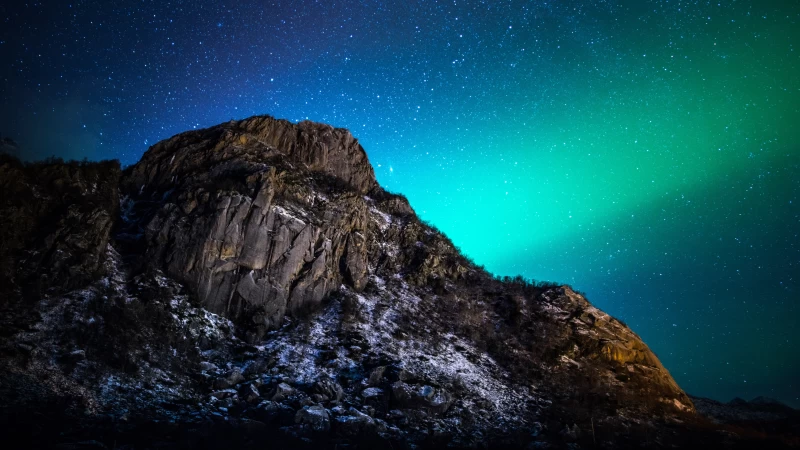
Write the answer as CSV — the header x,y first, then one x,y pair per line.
x,y
643,151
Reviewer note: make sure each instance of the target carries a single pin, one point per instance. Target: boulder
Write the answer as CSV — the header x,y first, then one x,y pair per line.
x,y
432,400
230,379
376,376
315,417
255,368
376,398
282,391
206,366
353,423
329,389
249,393
223,394
405,375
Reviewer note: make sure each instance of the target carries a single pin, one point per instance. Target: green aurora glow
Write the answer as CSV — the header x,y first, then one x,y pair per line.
x,y
666,187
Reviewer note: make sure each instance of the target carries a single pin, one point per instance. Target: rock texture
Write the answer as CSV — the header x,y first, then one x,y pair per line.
x,y
259,287
247,231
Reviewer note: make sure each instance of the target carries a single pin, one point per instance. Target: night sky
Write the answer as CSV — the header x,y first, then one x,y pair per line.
x,y
646,152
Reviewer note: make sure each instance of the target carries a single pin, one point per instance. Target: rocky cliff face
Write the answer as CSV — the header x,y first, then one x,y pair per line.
x,y
242,216
261,287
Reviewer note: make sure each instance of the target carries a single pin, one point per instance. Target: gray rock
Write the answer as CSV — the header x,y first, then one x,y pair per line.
x,y
376,376
328,388
375,399
268,411
380,425
434,401
439,402
405,375
24,346
356,261
353,423
372,392
369,410
249,393
282,391
315,417
228,402
256,368
231,378
402,393
224,393
208,367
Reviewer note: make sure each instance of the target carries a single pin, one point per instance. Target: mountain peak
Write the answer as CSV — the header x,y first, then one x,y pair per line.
x,y
261,139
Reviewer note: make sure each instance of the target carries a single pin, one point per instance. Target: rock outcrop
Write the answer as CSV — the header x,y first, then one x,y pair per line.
x,y
267,289
245,229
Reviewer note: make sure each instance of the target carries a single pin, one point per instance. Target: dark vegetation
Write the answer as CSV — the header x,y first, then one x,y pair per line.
x,y
126,330
39,200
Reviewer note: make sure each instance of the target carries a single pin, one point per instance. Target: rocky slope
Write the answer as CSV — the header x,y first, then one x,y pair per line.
x,y
253,283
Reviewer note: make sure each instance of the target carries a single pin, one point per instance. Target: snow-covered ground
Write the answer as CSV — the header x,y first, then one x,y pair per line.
x,y
304,350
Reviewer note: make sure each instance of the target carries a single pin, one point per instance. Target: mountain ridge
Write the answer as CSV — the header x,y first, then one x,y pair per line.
x,y
258,278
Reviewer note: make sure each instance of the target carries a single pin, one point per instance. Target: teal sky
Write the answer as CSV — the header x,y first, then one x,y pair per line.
x,y
644,151
660,176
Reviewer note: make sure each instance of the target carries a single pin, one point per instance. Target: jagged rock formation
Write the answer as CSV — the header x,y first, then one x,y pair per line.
x,y
264,242
266,289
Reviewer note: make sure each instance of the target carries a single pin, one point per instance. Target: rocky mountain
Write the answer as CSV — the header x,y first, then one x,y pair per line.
x,y
252,284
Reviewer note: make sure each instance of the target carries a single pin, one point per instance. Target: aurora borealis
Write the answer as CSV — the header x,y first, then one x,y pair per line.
x,y
644,151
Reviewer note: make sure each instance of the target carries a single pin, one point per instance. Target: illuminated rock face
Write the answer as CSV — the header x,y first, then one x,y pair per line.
x,y
624,354
601,337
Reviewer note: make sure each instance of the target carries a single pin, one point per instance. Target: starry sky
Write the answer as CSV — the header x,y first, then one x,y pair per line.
x,y
645,151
